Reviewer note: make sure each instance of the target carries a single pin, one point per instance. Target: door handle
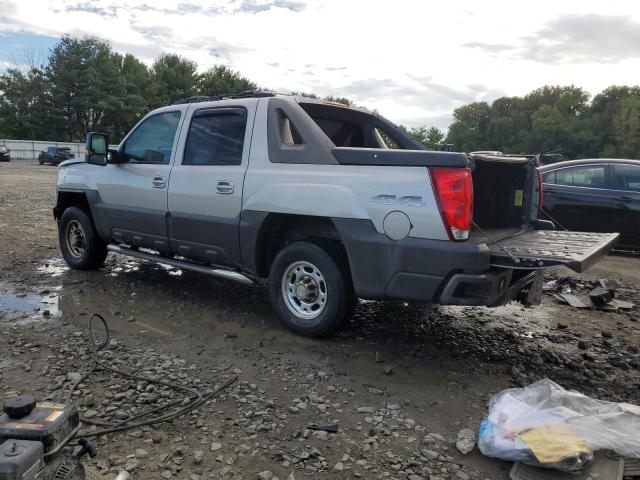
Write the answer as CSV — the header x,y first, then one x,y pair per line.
x,y
159,182
225,187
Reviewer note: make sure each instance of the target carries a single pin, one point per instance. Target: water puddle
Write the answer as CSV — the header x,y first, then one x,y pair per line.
x,y
29,307
132,265
53,268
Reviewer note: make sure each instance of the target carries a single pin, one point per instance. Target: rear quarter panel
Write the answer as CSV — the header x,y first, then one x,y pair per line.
x,y
342,191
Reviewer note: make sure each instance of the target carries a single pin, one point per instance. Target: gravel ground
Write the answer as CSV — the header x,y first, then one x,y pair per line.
x,y
399,383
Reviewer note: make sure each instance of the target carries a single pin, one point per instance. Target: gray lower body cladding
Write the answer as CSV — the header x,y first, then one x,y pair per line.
x,y
425,270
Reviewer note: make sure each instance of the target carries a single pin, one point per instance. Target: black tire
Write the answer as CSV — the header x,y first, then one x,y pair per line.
x,y
323,274
80,244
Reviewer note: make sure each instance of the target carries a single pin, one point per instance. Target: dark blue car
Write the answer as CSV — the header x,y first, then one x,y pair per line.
x,y
594,195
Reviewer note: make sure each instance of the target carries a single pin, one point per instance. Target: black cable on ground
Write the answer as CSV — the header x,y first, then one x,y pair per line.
x,y
196,398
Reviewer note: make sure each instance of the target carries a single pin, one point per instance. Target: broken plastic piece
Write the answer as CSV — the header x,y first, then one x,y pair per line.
x,y
600,296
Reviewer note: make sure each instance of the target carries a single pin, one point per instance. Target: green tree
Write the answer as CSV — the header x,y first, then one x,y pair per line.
x,y
85,86
549,130
431,137
25,104
469,130
174,77
627,124
221,80
342,100
135,96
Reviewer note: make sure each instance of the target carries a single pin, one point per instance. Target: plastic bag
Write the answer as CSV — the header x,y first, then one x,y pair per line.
x,y
545,425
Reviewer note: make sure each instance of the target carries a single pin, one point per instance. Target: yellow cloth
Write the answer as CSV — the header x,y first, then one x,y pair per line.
x,y
552,443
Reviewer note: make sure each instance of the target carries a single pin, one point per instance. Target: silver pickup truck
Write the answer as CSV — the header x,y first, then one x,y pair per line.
x,y
328,203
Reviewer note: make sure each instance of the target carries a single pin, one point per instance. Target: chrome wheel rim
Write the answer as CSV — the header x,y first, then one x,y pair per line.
x,y
75,238
304,290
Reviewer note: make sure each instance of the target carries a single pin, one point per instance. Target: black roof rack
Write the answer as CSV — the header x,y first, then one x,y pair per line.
x,y
212,98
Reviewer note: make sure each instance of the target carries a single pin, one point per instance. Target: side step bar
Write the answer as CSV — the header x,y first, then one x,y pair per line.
x,y
214,272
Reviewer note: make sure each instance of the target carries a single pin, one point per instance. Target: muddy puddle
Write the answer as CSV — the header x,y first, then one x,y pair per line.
x,y
25,307
53,268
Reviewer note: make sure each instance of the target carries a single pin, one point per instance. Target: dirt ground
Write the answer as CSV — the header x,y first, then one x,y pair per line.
x,y
399,382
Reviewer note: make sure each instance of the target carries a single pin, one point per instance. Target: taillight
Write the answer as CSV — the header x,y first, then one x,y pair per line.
x,y
454,191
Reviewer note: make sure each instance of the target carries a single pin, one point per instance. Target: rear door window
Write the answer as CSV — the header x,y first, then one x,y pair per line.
x,y
216,138
627,178
591,176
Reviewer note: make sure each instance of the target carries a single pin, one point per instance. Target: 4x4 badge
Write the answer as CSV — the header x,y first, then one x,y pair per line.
x,y
408,200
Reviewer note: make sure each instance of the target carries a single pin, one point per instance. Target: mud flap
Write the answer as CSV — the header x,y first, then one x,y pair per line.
x,y
548,248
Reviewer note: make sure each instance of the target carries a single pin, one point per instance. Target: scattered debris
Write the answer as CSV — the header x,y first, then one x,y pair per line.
x,y
333,428
601,294
545,425
466,440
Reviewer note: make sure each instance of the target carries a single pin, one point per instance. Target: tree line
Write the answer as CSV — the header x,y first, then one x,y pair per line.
x,y
85,86
553,119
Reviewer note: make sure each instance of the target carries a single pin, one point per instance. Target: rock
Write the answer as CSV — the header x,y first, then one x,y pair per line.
x,y
74,376
462,475
430,453
606,334
338,467
215,446
583,344
466,440
265,475
320,434
90,414
166,474
388,370
366,410
132,464
378,358
141,453
121,415
197,457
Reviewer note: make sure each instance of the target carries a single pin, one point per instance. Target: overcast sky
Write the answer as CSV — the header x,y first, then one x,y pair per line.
x,y
413,60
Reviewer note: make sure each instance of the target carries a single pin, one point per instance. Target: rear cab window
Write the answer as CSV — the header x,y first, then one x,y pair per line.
x,y
350,127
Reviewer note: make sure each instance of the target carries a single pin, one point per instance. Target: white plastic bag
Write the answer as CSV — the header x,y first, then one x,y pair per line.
x,y
545,425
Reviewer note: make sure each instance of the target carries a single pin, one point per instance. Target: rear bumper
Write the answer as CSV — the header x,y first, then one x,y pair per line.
x,y
426,270
492,288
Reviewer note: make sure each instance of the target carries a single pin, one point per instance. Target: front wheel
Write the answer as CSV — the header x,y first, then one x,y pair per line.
x,y
310,291
80,244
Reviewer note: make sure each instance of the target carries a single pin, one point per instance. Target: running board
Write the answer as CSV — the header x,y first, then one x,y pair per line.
x,y
214,272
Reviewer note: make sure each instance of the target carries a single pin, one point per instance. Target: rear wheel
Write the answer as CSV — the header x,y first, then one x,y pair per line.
x,y
310,291
80,244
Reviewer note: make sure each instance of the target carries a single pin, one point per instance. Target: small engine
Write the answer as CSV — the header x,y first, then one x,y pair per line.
x,y
32,438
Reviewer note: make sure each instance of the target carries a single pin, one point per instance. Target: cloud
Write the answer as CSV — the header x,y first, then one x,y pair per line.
x,y
88,7
489,47
254,6
583,39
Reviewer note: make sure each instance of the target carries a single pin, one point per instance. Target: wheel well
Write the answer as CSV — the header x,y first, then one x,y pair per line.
x,y
70,199
279,230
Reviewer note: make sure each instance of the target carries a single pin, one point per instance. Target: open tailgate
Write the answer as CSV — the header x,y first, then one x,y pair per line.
x,y
548,248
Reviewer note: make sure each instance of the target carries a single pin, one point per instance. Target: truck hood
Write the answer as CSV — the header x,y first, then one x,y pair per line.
x,y
71,161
